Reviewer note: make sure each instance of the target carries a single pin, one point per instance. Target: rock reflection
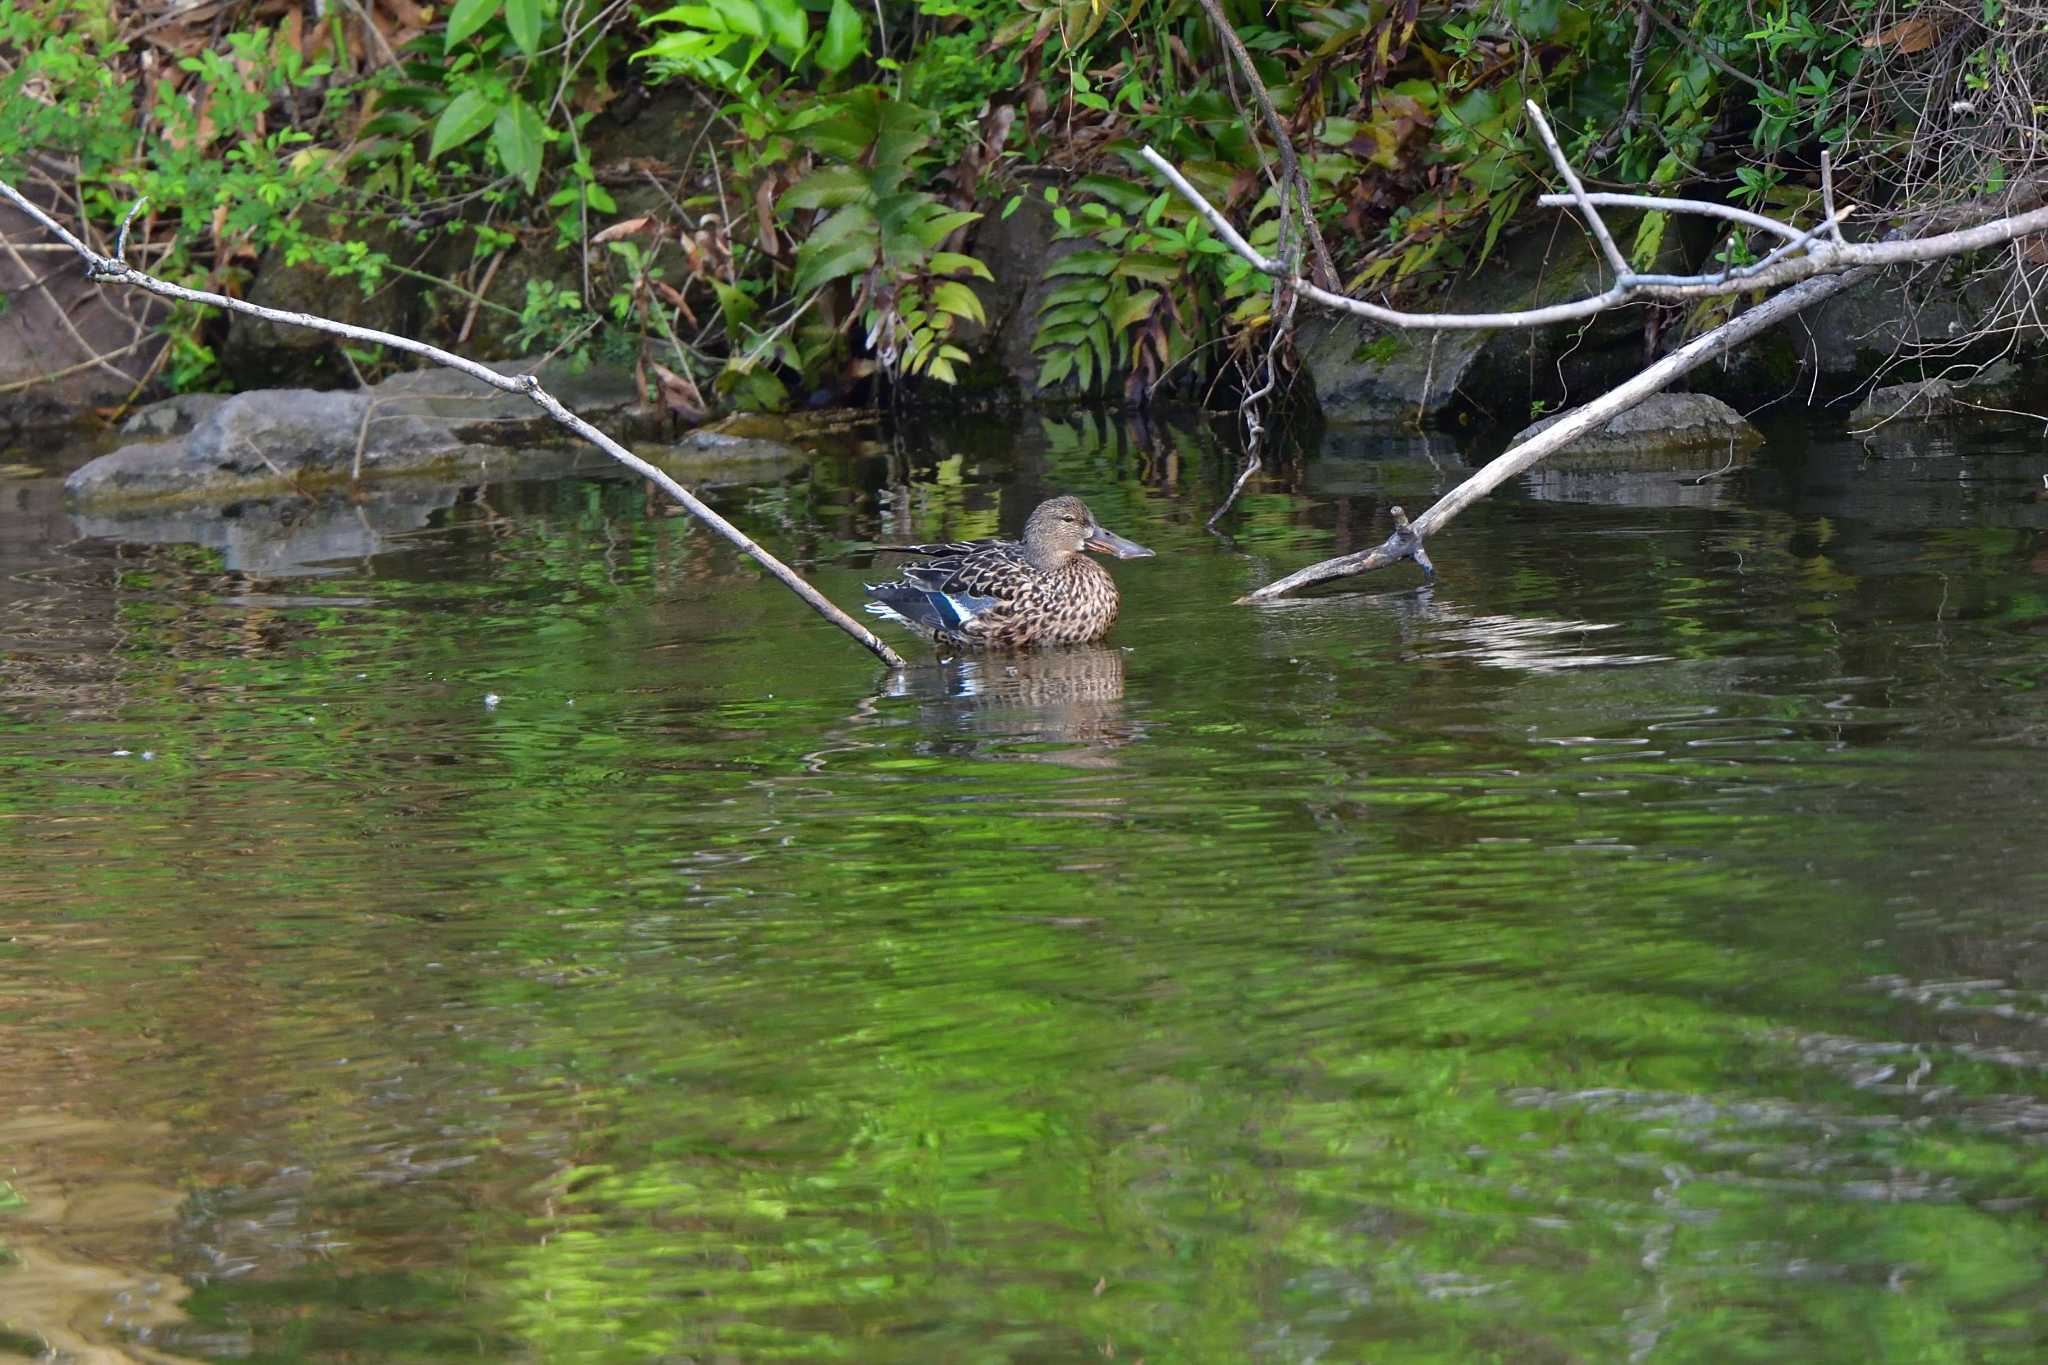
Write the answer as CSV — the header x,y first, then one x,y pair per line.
x,y
1070,697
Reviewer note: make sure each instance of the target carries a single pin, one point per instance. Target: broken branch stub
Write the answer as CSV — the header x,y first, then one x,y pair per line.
x,y
114,270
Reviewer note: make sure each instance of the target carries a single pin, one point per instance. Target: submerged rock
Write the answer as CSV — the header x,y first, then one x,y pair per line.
x,y
436,423
1662,424
1903,419
1924,400
1670,450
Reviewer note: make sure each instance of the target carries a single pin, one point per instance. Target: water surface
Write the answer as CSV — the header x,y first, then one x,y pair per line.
x,y
524,933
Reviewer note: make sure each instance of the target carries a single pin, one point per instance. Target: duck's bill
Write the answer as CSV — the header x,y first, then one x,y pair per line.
x,y
1110,543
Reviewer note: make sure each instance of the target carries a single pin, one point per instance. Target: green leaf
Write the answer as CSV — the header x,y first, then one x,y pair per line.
x,y
1135,308
468,114
466,18
816,268
519,140
1055,369
788,26
1069,312
846,224
736,304
845,38
523,18
941,369
740,16
953,262
1122,194
1085,263
935,229
827,188
843,127
957,299
1152,269
1089,290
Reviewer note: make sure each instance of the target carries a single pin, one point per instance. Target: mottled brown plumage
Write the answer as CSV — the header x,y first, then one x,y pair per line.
x,y
1012,594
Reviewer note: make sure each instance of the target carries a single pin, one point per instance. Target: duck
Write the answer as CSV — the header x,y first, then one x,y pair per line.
x,y
1041,589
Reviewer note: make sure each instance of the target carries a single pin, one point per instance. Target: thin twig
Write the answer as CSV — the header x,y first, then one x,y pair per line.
x,y
1827,196
115,271
1290,165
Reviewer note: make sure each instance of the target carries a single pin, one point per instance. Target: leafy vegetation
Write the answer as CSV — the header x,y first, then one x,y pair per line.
x,y
811,228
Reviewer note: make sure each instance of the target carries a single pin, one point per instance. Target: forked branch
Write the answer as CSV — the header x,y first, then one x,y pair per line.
x,y
115,270
1804,253
1815,262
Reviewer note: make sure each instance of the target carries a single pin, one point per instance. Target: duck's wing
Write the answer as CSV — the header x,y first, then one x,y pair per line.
x,y
956,584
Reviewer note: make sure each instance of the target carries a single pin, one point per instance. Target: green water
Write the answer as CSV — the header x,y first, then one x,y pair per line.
x,y
1632,949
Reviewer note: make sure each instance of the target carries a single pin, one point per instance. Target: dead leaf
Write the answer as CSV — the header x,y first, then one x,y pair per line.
x,y
625,228
764,214
406,13
679,394
676,300
1908,36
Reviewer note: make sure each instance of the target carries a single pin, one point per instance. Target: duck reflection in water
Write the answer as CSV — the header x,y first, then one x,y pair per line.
x,y
987,704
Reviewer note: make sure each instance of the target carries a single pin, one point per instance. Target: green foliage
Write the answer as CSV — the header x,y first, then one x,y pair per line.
x,y
225,182
822,227
872,240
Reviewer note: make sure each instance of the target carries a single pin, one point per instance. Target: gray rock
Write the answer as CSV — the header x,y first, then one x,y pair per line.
x,y
1362,372
1926,314
606,396
303,441
174,416
1923,400
258,351
1663,424
66,343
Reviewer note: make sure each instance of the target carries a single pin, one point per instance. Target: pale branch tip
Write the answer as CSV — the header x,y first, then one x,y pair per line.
x,y
1571,179
121,237
116,270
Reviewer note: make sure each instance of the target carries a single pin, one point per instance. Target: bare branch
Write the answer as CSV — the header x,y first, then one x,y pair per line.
x,y
1572,425
116,271
1571,178
1817,254
1827,196
1660,205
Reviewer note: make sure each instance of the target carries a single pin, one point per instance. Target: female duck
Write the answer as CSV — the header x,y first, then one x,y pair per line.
x,y
1011,594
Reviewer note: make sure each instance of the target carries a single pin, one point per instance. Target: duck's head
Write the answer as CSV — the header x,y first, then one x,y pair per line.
x,y
1063,527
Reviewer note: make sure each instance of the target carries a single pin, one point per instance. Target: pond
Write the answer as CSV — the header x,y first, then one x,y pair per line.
x,y
515,929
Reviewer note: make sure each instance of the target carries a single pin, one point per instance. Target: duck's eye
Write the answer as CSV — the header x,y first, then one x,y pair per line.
x,y
1068,520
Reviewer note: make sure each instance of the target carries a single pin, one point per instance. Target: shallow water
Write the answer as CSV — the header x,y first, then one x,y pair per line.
x,y
1631,949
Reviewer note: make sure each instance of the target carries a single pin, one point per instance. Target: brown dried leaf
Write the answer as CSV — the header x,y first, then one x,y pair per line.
x,y
625,228
406,13
2034,248
679,394
1908,36
675,298
764,215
